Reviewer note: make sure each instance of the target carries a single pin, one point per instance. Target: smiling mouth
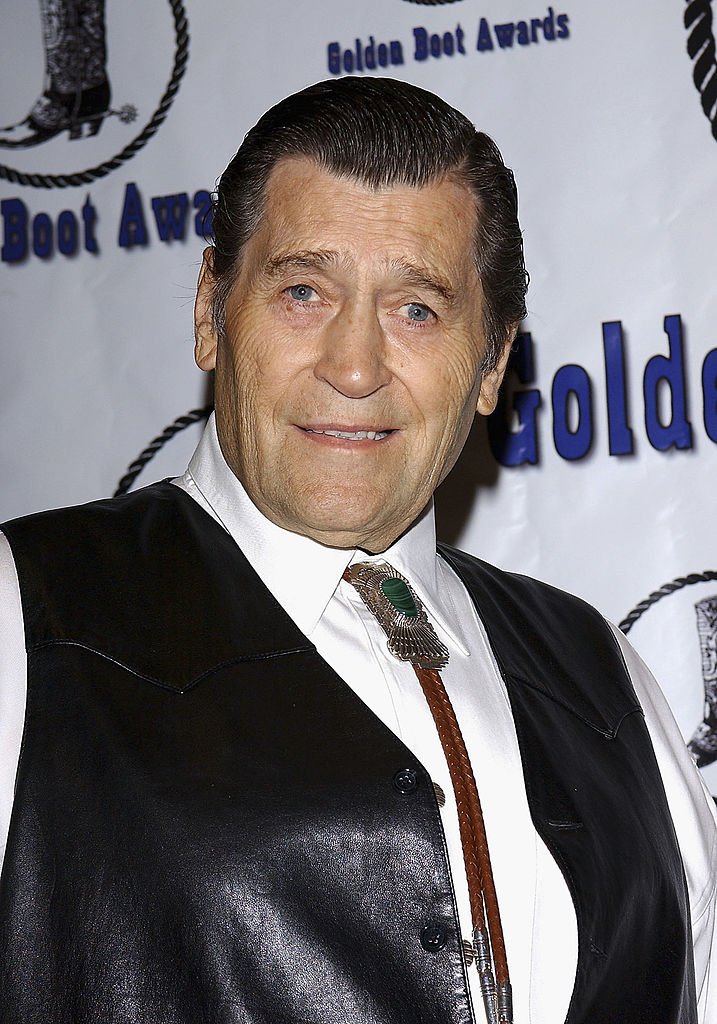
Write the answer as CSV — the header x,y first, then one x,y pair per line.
x,y
352,435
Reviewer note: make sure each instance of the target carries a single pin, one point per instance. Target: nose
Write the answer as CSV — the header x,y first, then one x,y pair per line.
x,y
353,353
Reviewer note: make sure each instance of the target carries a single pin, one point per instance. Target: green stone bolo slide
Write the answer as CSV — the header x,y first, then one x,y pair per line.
x,y
389,597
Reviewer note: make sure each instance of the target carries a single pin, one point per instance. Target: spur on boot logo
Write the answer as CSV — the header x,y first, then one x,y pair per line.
x,y
86,78
701,49
680,638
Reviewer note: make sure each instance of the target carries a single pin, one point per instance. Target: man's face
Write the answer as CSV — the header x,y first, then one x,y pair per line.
x,y
348,378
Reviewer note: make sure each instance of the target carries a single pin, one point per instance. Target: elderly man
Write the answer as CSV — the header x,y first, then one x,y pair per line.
x,y
283,761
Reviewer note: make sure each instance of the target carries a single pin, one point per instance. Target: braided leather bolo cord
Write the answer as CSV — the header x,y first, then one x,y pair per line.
x,y
481,887
489,944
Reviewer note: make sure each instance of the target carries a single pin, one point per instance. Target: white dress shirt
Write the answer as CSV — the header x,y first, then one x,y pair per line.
x,y
305,577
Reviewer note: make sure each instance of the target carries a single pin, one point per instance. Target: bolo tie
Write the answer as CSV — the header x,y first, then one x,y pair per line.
x,y
411,637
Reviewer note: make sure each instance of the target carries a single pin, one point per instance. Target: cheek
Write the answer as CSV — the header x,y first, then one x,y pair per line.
x,y
252,369
449,392
269,394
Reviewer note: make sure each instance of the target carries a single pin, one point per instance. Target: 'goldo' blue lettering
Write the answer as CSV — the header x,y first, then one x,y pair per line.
x,y
572,381
667,372
619,432
519,446
709,392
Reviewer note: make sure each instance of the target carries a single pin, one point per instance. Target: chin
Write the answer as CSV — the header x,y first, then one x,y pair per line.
x,y
332,523
341,513
338,528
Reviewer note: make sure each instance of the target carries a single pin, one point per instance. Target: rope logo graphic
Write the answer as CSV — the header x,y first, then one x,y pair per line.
x,y
701,49
194,416
90,50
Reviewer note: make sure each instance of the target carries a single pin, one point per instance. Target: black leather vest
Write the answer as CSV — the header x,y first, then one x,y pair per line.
x,y
206,827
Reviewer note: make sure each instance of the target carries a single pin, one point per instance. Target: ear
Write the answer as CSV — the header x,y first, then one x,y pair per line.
x,y
205,338
490,384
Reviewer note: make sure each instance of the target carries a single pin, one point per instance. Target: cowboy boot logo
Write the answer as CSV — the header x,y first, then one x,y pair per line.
x,y
76,95
73,41
703,744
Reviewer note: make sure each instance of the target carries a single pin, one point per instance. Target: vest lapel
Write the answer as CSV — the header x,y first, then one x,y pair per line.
x,y
595,795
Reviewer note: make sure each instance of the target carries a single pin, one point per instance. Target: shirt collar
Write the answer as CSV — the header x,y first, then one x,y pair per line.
x,y
301,573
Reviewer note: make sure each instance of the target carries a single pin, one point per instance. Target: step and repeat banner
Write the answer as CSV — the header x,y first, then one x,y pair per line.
x,y
597,472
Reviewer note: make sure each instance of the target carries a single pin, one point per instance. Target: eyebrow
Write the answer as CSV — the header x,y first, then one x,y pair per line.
x,y
422,277
320,259
302,259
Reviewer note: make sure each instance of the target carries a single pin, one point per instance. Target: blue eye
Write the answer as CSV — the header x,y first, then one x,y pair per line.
x,y
301,292
415,311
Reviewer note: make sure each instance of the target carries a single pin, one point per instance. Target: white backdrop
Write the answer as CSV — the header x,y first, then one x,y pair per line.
x,y
610,493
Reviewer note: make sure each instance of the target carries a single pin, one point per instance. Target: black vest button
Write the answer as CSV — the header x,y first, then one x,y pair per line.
x,y
434,937
405,781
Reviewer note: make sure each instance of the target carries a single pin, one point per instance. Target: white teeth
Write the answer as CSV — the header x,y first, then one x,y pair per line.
x,y
356,435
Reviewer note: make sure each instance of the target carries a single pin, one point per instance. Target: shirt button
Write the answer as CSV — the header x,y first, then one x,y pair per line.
x,y
405,781
434,936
